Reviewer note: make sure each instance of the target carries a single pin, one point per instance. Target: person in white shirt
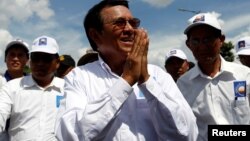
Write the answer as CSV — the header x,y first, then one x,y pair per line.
x,y
176,63
16,56
217,90
31,102
120,97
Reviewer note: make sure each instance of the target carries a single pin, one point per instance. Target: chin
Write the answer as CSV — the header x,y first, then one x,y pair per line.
x,y
125,50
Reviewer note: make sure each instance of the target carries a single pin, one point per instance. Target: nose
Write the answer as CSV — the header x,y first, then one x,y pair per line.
x,y
128,25
15,57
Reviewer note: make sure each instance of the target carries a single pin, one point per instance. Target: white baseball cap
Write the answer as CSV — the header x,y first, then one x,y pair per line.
x,y
203,18
17,42
45,44
243,46
176,53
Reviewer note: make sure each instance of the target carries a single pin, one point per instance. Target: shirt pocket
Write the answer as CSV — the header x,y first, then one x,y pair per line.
x,y
242,111
26,129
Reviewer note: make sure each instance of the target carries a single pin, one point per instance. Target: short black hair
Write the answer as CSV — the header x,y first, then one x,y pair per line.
x,y
94,20
87,58
67,60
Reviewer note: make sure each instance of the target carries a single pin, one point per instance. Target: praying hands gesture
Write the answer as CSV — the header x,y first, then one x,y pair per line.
x,y
135,69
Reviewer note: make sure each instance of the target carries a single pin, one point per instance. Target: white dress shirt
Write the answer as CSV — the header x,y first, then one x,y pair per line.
x,y
99,105
214,100
32,109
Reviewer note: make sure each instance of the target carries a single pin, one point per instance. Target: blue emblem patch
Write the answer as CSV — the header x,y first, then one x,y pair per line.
x,y
240,89
58,99
241,44
141,94
42,41
199,18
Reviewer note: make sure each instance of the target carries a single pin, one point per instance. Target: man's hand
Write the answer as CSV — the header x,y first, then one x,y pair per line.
x,y
135,69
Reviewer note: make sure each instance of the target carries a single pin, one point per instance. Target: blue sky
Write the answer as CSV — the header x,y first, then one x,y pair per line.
x,y
62,20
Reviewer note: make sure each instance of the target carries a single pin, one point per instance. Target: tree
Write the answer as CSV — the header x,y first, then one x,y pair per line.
x,y
26,69
226,51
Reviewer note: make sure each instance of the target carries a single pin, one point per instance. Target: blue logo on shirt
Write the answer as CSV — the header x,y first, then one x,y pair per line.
x,y
58,99
141,94
240,88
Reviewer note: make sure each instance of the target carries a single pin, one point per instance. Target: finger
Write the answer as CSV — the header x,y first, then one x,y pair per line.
x,y
141,42
137,43
144,42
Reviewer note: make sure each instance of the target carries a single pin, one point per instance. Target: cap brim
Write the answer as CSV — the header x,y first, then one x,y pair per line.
x,y
197,24
16,43
44,50
175,57
243,52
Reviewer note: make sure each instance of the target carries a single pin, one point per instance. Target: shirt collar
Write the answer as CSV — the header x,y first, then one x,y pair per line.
x,y
225,67
105,66
8,77
57,83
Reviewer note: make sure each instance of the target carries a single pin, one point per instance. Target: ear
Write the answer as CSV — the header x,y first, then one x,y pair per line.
x,y
94,35
188,44
58,63
222,39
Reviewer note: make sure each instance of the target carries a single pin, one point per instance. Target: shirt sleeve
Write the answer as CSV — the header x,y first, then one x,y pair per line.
x,y
171,115
5,106
86,120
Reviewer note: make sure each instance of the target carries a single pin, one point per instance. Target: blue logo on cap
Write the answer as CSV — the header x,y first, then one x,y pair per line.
x,y
42,41
199,18
241,44
172,52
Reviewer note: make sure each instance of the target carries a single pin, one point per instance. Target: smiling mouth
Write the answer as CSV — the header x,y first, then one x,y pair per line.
x,y
127,41
15,64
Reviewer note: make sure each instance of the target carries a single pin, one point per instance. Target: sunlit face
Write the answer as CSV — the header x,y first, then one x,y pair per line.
x,y
117,36
205,44
16,59
176,67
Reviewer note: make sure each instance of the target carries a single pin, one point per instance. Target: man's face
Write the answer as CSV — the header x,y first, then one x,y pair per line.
x,y
117,36
205,44
245,60
16,59
43,65
176,67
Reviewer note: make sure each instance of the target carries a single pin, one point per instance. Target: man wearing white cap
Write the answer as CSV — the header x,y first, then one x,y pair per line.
x,y
243,50
214,88
31,102
176,63
16,56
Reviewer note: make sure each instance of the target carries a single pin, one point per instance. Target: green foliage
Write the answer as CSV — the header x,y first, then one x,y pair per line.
x,y
226,51
26,69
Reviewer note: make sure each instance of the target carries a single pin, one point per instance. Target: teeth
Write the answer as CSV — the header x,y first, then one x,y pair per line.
x,y
127,40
